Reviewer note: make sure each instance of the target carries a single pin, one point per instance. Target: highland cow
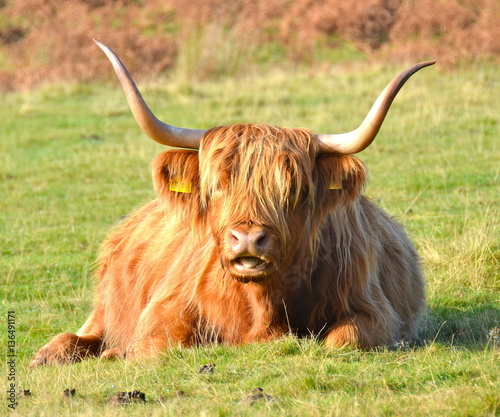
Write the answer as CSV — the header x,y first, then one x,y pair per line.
x,y
256,231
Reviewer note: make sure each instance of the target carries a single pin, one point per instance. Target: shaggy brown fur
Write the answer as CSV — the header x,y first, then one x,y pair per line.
x,y
325,261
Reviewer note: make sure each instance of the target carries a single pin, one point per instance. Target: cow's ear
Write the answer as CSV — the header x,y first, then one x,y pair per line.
x,y
176,176
341,177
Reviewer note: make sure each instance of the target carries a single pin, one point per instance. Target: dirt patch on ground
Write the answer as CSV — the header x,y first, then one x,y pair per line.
x,y
123,398
50,40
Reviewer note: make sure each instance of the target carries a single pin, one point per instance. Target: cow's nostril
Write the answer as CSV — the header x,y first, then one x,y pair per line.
x,y
262,240
233,239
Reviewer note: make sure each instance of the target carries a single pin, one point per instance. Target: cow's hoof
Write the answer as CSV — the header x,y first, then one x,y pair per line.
x,y
37,362
62,349
114,353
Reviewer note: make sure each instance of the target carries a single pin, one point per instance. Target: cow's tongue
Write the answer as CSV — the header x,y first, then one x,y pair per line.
x,y
250,261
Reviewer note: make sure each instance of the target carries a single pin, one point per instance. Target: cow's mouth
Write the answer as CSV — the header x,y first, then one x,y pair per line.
x,y
249,268
249,263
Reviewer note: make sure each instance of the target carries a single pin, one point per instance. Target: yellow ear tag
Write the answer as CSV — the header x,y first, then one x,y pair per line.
x,y
335,186
180,186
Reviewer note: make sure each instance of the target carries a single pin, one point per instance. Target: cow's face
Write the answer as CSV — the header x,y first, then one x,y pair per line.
x,y
258,188
263,190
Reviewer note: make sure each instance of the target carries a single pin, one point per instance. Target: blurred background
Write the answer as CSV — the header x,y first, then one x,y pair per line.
x,y
44,41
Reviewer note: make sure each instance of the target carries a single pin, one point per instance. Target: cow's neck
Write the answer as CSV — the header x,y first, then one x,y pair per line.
x,y
273,302
268,312
254,311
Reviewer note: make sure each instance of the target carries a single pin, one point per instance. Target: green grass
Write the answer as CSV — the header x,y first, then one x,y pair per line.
x,y
73,162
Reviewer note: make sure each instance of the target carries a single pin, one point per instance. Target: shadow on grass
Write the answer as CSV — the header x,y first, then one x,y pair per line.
x,y
473,327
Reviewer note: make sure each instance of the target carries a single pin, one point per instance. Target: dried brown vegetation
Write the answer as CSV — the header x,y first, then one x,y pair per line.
x,y
47,40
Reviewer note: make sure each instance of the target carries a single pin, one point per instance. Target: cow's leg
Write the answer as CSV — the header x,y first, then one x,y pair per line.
x,y
150,344
362,331
68,347
114,353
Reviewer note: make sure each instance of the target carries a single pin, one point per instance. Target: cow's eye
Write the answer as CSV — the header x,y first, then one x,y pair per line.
x,y
220,187
303,197
298,197
222,182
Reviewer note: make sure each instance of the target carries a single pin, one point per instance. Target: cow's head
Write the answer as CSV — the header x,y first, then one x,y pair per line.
x,y
263,190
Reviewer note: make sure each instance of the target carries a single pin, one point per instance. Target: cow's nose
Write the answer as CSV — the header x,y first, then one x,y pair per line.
x,y
253,241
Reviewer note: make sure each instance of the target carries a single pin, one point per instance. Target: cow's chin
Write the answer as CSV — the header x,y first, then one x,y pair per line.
x,y
249,269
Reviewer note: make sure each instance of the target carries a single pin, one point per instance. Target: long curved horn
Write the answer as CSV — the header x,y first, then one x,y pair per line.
x,y
150,125
362,137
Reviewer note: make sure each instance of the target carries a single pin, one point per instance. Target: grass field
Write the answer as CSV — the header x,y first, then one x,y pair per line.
x,y
74,162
